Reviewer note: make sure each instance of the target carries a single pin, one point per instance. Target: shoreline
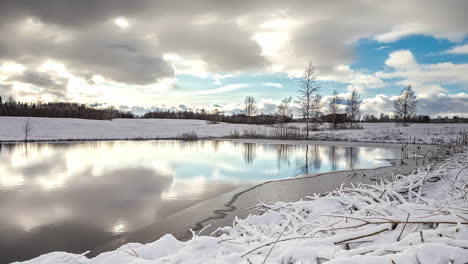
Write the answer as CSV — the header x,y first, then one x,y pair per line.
x,y
343,143
222,210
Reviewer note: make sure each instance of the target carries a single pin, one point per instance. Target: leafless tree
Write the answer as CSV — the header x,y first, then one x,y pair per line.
x,y
334,108
405,105
308,90
283,111
353,106
317,109
27,129
250,106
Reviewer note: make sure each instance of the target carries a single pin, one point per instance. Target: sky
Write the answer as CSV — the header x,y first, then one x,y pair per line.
x,y
184,54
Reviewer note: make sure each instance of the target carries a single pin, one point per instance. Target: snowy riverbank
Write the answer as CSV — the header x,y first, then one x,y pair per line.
x,y
11,129
415,218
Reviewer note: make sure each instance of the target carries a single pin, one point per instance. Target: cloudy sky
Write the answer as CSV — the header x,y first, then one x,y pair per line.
x,y
140,55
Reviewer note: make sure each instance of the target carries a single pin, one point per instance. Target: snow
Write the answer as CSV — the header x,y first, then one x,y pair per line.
x,y
82,129
421,217
11,128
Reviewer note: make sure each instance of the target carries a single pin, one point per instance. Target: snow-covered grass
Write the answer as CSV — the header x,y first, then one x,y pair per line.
x,y
416,218
393,133
11,129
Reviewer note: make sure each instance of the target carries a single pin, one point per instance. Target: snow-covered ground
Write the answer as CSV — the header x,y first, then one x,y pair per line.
x,y
417,218
11,129
393,133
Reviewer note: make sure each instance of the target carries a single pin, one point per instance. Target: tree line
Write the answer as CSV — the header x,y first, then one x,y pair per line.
x,y
215,116
59,110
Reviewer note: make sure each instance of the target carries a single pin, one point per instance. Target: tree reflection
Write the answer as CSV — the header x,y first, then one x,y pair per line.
x,y
249,152
317,160
283,155
352,157
332,157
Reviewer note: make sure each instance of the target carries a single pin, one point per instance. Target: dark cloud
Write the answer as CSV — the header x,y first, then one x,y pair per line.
x,y
53,85
223,45
102,49
5,89
69,12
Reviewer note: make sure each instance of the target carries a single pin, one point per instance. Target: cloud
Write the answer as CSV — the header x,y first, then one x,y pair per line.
x,y
224,89
400,31
402,60
427,79
101,49
379,104
272,84
463,49
241,36
356,79
137,46
54,85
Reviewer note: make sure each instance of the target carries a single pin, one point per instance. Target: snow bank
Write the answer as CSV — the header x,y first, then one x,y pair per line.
x,y
82,129
416,218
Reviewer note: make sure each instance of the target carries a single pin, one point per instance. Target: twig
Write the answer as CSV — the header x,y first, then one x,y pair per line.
x,y
271,249
404,226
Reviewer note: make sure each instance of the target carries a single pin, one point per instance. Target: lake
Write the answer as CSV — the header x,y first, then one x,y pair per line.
x,y
75,196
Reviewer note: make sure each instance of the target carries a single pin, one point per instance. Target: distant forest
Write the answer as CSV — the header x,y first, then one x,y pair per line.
x,y
216,116
76,110
59,110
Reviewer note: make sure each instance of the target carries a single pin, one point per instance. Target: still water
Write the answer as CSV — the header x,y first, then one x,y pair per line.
x,y
76,196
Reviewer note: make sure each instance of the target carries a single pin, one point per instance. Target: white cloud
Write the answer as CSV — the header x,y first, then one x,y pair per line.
x,y
273,84
224,89
379,104
427,79
356,79
400,31
121,22
402,59
219,77
463,49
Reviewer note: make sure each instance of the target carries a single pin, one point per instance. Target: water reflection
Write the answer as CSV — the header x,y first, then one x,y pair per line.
x,y
249,152
74,196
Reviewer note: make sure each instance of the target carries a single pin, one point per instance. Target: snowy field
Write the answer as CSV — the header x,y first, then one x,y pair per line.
x,y
416,218
11,129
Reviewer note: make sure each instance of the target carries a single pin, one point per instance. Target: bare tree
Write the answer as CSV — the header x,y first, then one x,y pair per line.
x,y
283,111
405,105
317,109
334,108
308,90
353,106
250,106
27,129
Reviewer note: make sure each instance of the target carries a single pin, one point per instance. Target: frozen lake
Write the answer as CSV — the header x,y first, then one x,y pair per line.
x,y
75,196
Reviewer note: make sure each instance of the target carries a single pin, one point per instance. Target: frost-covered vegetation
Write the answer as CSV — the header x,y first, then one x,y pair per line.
x,y
417,218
